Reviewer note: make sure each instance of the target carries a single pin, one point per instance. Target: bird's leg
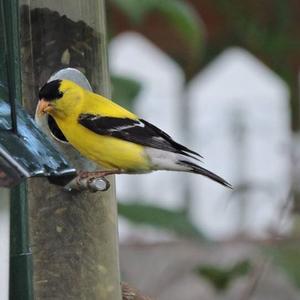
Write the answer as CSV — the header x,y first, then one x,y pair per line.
x,y
92,181
97,174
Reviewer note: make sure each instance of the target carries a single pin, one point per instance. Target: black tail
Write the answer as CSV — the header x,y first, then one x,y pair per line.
x,y
199,170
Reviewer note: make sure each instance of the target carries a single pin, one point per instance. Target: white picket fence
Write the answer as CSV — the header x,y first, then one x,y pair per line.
x,y
238,119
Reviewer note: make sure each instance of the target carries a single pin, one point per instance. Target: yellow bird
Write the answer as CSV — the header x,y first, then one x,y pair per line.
x,y
112,136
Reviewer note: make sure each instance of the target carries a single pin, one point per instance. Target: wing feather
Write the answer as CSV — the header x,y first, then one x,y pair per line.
x,y
137,131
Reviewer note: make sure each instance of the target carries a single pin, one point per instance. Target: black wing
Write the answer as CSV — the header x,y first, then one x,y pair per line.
x,y
136,131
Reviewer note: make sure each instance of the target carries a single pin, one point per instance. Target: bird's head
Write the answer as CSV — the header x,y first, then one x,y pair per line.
x,y
58,98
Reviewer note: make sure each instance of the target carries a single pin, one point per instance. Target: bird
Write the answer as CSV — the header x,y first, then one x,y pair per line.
x,y
113,137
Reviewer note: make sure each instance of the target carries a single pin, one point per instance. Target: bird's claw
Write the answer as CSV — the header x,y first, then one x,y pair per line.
x,y
88,182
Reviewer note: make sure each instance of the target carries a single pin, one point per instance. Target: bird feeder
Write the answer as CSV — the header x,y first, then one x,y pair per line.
x,y
24,151
62,244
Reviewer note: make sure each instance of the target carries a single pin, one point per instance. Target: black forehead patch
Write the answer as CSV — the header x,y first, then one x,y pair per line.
x,y
50,91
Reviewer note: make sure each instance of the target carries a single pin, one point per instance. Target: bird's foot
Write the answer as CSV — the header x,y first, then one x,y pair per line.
x,y
92,181
92,184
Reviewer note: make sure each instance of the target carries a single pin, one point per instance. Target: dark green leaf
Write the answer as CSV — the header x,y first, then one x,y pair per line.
x,y
220,278
186,20
135,9
174,221
125,90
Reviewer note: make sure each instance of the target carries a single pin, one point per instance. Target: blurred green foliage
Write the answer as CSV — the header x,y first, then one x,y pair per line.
x,y
269,29
180,14
125,90
268,34
220,278
170,220
287,257
136,10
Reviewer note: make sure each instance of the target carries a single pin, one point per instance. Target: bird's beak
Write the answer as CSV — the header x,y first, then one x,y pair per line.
x,y
43,107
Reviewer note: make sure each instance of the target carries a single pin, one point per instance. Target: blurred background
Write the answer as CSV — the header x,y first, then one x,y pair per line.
x,y
221,76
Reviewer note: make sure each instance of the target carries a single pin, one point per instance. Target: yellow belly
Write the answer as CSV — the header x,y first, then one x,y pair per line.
x,y
109,152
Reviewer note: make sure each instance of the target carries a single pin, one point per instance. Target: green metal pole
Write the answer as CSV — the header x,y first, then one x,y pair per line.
x,y
9,9
20,281
21,256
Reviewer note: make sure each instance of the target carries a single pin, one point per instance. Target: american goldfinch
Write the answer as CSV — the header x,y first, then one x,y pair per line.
x,y
112,136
